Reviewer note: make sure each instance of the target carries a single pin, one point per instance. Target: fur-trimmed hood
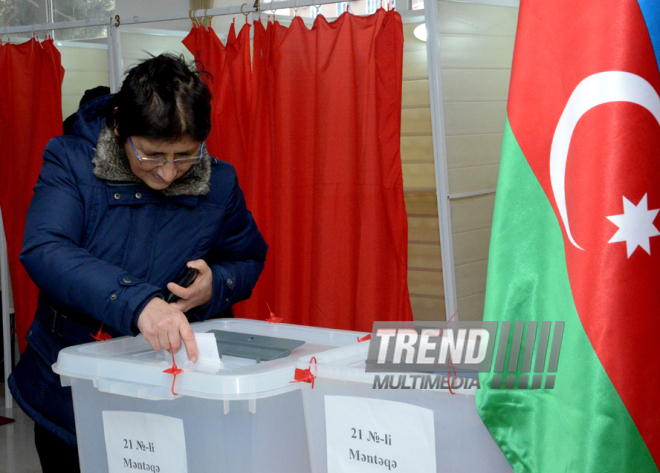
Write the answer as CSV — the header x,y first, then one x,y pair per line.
x,y
111,164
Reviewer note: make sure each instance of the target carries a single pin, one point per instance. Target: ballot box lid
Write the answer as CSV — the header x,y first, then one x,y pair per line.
x,y
260,363
348,363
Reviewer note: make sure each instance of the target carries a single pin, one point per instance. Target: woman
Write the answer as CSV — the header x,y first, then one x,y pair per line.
x,y
121,208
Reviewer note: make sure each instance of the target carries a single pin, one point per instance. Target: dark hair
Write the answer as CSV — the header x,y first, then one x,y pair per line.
x,y
162,98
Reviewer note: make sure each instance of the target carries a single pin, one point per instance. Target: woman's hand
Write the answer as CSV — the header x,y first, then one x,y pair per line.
x,y
163,326
199,292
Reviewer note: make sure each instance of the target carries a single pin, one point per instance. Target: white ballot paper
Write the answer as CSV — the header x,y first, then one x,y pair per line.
x,y
208,352
372,435
140,441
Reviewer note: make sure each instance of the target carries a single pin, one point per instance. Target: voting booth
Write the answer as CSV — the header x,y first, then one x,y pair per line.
x,y
237,413
359,422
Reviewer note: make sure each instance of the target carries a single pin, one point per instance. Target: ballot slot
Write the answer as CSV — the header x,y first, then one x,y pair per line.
x,y
252,346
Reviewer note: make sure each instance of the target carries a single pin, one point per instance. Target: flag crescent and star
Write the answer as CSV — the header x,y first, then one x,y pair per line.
x,y
597,89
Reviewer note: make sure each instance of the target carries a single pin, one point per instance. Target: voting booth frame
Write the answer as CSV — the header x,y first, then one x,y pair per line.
x,y
115,69
6,312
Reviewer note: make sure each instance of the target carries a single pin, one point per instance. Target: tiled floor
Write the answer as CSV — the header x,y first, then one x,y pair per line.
x,y
17,451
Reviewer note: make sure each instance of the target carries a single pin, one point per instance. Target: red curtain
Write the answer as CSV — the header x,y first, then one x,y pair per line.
x,y
230,84
322,170
31,77
210,52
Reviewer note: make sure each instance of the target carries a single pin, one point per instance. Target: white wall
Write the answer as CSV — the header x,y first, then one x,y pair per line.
x,y
85,68
476,49
136,47
129,8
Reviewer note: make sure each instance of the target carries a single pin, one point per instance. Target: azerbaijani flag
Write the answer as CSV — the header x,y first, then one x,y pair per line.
x,y
575,238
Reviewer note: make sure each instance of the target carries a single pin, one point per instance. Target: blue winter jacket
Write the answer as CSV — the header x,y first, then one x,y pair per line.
x,y
100,245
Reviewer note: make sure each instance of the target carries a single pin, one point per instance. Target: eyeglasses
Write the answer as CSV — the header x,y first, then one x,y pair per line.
x,y
157,162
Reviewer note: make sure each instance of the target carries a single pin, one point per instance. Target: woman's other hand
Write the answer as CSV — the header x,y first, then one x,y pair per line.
x,y
199,292
163,326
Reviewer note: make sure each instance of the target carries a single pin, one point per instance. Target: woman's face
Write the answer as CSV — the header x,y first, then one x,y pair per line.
x,y
160,177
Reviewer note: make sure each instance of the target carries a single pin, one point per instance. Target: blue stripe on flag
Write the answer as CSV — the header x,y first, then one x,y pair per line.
x,y
651,12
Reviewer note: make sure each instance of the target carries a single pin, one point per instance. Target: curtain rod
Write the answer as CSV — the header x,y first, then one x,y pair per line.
x,y
135,20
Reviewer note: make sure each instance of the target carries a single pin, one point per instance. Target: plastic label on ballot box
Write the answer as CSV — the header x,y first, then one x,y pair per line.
x,y
366,435
141,441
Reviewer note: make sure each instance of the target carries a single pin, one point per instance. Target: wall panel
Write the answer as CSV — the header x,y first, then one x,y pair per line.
x,y
414,64
417,149
473,178
476,19
472,213
416,121
426,282
471,307
136,47
423,229
424,255
471,278
476,50
85,68
421,204
424,260
474,118
475,85
473,150
472,246
418,176
428,307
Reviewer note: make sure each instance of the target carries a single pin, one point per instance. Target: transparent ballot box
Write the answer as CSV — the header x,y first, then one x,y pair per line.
x,y
235,410
399,422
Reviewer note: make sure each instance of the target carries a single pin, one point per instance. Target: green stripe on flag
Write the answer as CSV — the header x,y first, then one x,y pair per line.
x,y
582,424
